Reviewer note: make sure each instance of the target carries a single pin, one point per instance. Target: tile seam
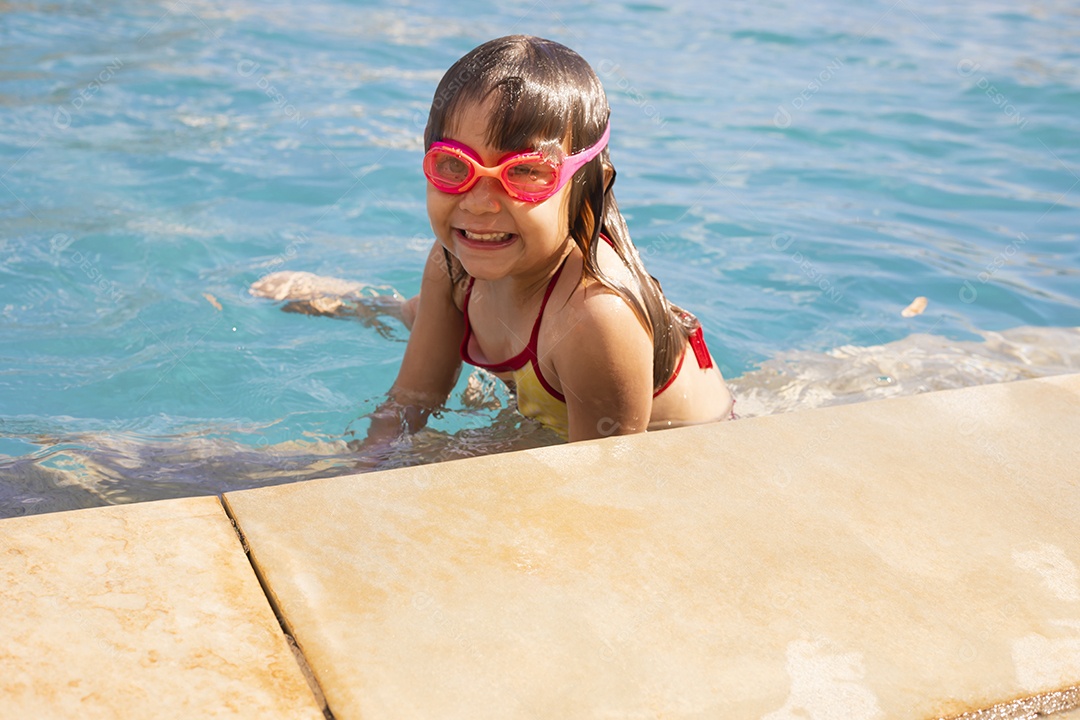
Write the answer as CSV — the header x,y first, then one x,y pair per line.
x,y
287,631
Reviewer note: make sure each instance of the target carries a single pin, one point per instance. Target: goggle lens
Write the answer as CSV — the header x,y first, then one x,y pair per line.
x,y
531,178
446,170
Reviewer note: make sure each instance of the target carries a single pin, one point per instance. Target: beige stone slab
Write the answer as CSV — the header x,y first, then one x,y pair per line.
x,y
139,611
908,558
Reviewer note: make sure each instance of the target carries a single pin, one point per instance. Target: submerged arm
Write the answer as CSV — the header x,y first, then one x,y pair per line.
x,y
431,363
310,294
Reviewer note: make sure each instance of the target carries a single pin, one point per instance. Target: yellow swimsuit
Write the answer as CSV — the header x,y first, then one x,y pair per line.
x,y
535,397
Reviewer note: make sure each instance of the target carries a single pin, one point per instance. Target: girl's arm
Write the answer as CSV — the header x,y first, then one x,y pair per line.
x,y
311,294
432,361
605,365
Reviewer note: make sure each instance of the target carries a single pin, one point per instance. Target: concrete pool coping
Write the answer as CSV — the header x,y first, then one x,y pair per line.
x,y
906,558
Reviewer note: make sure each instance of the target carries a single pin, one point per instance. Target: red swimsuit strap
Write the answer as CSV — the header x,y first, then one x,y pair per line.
x,y
701,353
529,352
696,341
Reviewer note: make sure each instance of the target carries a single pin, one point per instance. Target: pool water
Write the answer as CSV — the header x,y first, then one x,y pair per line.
x,y
795,173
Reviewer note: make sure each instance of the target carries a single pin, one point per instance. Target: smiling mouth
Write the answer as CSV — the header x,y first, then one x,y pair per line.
x,y
490,237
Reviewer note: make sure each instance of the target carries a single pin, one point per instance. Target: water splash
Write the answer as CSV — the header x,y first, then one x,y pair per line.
x,y
800,380
84,469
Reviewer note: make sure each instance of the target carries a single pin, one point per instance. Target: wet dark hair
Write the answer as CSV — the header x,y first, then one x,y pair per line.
x,y
543,93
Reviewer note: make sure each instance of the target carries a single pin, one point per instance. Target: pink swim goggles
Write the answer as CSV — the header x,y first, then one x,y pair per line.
x,y
529,176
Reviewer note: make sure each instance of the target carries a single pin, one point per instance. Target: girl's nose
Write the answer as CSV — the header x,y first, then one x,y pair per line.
x,y
483,197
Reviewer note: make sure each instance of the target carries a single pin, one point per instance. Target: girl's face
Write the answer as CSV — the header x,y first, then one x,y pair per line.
x,y
492,234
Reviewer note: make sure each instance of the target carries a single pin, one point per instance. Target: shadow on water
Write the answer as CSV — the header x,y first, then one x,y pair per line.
x,y
91,469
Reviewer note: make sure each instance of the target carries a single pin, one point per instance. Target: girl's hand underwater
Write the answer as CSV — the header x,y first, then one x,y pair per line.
x,y
311,294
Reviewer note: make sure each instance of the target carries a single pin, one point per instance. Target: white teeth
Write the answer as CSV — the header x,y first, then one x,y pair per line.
x,y
486,236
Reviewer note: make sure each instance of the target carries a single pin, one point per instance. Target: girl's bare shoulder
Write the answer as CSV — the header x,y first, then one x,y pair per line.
x,y
591,316
592,299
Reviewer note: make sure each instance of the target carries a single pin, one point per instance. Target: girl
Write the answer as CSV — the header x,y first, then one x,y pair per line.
x,y
532,274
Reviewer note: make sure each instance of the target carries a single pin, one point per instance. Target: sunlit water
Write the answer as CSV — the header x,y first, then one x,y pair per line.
x,y
795,173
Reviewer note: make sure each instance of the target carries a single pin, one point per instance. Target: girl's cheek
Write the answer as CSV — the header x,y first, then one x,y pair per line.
x,y
439,205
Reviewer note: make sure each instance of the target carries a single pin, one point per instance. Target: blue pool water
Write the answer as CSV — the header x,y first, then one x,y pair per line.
x,y
795,173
